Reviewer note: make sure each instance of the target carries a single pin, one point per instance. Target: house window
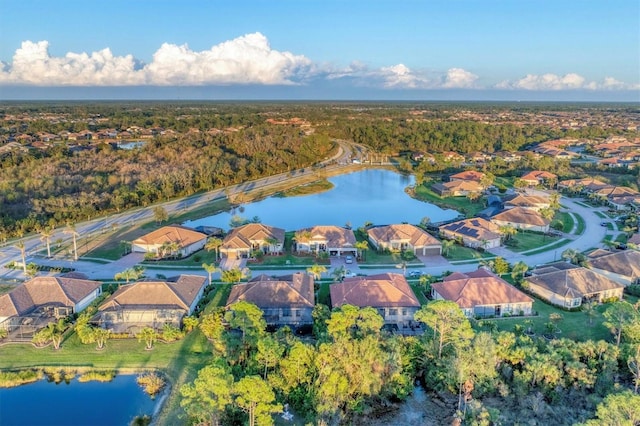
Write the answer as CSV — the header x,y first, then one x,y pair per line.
x,y
393,312
381,311
297,313
576,303
404,312
286,312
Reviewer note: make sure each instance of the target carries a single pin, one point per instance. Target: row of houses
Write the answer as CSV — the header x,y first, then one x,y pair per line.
x,y
616,197
289,300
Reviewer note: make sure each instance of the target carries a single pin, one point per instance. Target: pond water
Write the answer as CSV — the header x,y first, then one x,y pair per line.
x,y
372,195
90,403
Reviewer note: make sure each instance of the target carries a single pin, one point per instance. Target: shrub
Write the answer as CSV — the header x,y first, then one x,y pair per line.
x,y
10,379
152,383
97,376
633,290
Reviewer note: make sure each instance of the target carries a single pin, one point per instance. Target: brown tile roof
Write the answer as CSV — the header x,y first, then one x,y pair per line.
x,y
177,292
625,262
44,291
536,175
242,236
295,291
575,282
588,183
403,232
335,236
382,290
635,239
172,233
523,216
612,191
520,200
458,185
468,175
476,227
478,288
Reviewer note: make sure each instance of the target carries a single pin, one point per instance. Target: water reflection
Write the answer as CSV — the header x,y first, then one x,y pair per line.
x,y
372,195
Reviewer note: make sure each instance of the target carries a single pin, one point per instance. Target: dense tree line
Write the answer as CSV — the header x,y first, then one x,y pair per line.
x,y
353,367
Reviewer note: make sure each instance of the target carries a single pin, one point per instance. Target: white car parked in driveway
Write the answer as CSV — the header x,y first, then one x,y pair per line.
x,y
348,259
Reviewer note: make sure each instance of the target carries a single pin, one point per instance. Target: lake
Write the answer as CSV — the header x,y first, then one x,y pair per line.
x,y
371,195
90,403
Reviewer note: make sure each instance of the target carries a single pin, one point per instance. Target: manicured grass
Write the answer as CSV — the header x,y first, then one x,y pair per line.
x,y
373,257
601,215
289,259
553,246
566,219
417,289
5,288
323,294
581,225
574,325
195,259
580,203
461,204
457,252
530,240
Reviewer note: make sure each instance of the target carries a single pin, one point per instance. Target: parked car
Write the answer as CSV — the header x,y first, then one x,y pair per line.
x,y
415,274
349,274
603,223
348,259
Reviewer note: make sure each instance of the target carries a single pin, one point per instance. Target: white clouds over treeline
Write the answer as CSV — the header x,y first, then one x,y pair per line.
x,y
248,59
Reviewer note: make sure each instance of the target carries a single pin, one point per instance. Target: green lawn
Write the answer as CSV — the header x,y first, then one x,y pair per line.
x,y
530,240
373,257
601,215
553,246
574,325
323,294
417,289
566,219
195,259
458,252
581,224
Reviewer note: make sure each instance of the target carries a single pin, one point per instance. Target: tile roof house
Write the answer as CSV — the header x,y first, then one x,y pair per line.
x,y
467,175
331,239
286,300
533,202
47,298
573,286
482,294
475,232
456,188
622,266
400,237
188,240
151,303
585,184
522,218
539,177
635,239
389,293
241,241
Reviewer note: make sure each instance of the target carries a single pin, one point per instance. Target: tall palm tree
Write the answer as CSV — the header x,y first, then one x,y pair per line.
x,y
45,236
71,230
317,271
214,244
519,269
23,254
507,231
339,273
272,242
446,246
210,269
130,274
302,236
402,265
362,247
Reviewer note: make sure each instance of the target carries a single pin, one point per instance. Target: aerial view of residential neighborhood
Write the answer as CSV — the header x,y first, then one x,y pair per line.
x,y
241,235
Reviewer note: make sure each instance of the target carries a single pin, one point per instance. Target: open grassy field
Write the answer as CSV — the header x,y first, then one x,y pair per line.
x,y
461,204
306,189
530,240
461,253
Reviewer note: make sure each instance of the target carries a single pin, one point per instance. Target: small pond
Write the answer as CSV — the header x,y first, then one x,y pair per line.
x,y
91,403
371,195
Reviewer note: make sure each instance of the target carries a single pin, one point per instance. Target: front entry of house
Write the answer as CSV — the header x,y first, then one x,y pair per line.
x,y
498,311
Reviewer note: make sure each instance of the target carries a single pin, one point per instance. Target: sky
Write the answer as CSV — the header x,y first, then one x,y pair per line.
x,y
557,50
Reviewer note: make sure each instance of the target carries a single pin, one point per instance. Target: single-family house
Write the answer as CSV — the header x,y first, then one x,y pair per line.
x,y
241,241
170,240
151,304
539,177
331,239
570,286
533,202
482,294
634,239
475,232
580,185
522,218
456,188
389,293
37,302
401,237
468,175
621,266
286,300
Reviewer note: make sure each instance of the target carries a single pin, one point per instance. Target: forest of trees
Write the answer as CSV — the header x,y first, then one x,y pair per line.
x,y
353,368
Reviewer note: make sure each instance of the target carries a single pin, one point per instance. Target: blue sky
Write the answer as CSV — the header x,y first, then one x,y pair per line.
x,y
400,49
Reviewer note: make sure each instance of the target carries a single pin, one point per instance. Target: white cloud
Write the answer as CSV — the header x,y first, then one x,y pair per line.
x,y
569,81
245,60
459,78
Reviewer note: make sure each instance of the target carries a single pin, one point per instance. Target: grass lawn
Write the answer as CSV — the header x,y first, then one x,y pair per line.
x,y
601,215
307,189
289,260
417,289
574,325
566,219
323,294
195,259
460,204
553,246
373,257
531,240
581,224
457,252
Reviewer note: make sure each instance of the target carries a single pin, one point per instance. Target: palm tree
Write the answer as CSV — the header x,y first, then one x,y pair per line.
x,y
362,247
126,246
130,274
317,271
45,236
23,254
210,268
71,230
507,231
446,246
214,244
302,236
272,242
339,273
519,269
148,335
402,265
101,335
174,248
